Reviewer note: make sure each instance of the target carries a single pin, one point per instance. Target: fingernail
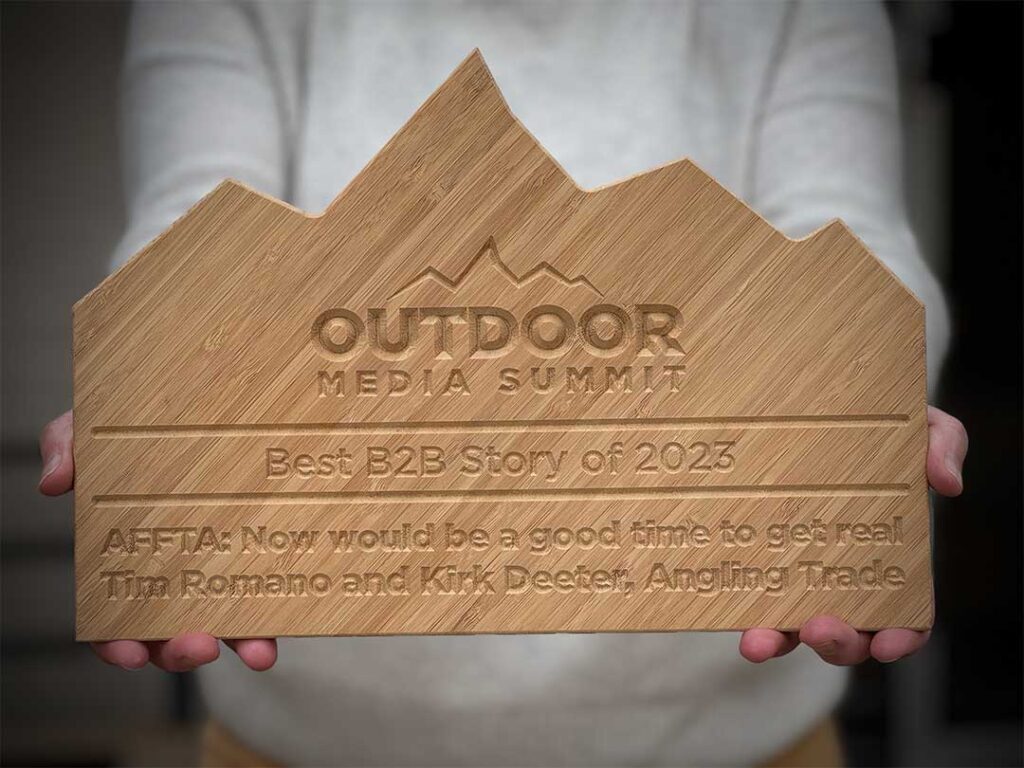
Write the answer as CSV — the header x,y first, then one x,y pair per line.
x,y
51,465
827,649
187,662
953,466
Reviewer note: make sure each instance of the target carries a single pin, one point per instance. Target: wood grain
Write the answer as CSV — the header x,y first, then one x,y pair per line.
x,y
472,397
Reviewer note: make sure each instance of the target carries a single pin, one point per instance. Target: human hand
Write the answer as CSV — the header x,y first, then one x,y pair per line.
x,y
833,639
179,654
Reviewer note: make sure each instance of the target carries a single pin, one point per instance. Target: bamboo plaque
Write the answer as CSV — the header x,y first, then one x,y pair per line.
x,y
472,397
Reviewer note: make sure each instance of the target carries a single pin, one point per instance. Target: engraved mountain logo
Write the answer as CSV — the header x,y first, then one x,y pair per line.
x,y
488,269
487,310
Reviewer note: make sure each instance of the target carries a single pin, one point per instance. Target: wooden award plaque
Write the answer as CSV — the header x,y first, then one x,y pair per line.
x,y
472,397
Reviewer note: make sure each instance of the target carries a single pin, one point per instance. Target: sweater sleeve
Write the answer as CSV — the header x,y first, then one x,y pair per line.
x,y
828,144
208,93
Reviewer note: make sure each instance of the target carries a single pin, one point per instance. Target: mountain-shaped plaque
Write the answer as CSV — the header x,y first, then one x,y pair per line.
x,y
472,397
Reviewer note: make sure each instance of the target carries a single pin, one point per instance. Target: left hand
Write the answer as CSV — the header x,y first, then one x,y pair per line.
x,y
179,654
835,641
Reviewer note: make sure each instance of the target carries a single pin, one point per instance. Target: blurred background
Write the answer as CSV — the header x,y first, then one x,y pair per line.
x,y
956,703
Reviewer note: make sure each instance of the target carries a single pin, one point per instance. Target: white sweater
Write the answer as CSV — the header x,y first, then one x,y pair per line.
x,y
792,107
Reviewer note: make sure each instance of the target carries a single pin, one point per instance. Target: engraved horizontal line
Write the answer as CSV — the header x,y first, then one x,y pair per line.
x,y
122,500
513,425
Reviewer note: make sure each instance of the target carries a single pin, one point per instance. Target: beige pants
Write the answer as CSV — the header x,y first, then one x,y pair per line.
x,y
818,749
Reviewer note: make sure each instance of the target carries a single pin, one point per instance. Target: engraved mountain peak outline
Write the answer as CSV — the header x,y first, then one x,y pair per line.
x,y
488,257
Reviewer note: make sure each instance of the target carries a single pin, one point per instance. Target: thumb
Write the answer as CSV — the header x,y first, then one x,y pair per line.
x,y
55,448
947,448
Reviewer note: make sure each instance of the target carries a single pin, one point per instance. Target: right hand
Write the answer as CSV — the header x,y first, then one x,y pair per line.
x,y
179,654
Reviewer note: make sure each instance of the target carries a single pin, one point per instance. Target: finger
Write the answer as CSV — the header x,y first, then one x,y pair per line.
x,y
55,448
257,653
835,641
758,645
184,652
892,644
947,448
127,654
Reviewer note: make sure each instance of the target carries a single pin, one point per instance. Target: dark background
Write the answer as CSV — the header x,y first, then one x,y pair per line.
x,y
956,703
